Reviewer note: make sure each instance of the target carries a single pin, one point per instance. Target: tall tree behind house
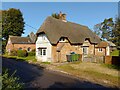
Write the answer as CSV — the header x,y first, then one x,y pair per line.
x,y
12,24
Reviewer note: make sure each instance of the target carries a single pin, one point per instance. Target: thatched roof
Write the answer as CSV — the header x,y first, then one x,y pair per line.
x,y
55,29
102,44
20,40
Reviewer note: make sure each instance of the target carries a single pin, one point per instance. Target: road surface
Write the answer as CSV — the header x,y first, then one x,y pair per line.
x,y
38,77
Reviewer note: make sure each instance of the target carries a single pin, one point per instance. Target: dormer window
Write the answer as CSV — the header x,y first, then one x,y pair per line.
x,y
62,39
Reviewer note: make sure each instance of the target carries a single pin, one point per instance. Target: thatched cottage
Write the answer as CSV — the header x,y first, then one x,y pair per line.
x,y
57,37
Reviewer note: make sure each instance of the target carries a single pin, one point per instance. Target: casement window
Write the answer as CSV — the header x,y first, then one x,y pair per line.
x,y
100,50
85,50
42,51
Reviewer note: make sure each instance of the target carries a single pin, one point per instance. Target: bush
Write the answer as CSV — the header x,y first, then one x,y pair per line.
x,y
21,53
32,53
13,53
10,81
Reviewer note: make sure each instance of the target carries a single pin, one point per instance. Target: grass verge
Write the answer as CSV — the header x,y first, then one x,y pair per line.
x,y
87,72
28,58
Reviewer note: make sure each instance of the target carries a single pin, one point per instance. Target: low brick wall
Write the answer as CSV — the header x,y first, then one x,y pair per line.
x,y
115,60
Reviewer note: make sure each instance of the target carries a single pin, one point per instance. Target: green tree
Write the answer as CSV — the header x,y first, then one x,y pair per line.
x,y
10,81
116,32
12,24
55,15
104,29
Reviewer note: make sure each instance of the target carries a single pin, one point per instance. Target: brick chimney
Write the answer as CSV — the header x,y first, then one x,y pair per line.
x,y
62,16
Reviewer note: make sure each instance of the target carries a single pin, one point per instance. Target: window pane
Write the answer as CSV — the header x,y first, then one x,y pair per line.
x,y
39,51
44,51
84,50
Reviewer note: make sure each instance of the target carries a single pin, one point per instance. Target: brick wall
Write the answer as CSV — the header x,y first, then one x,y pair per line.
x,y
24,46
100,53
66,49
17,46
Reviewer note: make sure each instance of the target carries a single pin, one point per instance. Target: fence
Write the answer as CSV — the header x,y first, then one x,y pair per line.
x,y
115,60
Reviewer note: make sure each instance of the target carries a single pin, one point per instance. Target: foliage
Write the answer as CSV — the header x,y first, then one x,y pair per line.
x,y
13,53
12,24
115,53
116,32
4,42
58,16
31,53
21,53
10,81
55,15
104,29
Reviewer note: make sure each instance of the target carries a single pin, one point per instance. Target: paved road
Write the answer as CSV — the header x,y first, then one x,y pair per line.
x,y
38,77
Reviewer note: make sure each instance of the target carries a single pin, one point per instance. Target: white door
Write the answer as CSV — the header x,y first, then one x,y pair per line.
x,y
42,52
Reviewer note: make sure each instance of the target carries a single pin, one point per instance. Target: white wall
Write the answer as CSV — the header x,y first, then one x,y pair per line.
x,y
42,41
107,50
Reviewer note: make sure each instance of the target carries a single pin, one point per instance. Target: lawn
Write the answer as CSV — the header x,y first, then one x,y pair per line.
x,y
98,73
115,53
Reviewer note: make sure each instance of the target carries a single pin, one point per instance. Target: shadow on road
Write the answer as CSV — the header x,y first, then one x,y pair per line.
x,y
42,78
25,71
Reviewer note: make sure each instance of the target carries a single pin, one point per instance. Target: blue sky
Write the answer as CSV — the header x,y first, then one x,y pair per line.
x,y
84,13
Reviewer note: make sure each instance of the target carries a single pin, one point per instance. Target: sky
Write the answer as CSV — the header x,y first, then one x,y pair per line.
x,y
84,13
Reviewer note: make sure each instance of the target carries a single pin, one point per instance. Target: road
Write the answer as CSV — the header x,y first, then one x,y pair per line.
x,y
38,77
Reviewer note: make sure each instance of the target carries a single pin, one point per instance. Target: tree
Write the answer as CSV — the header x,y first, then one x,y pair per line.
x,y
55,15
12,23
10,80
97,30
104,29
58,16
116,32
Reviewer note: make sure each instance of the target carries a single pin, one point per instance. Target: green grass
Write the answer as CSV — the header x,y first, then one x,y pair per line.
x,y
111,66
45,62
90,74
115,53
28,58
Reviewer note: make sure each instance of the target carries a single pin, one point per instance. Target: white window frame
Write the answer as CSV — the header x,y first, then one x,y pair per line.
x,y
42,51
100,50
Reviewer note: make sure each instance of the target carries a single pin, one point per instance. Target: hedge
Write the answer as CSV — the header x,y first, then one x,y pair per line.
x,y
21,53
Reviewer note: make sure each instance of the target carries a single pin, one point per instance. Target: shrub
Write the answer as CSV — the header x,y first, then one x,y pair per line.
x,y
32,53
22,53
13,53
33,50
10,81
